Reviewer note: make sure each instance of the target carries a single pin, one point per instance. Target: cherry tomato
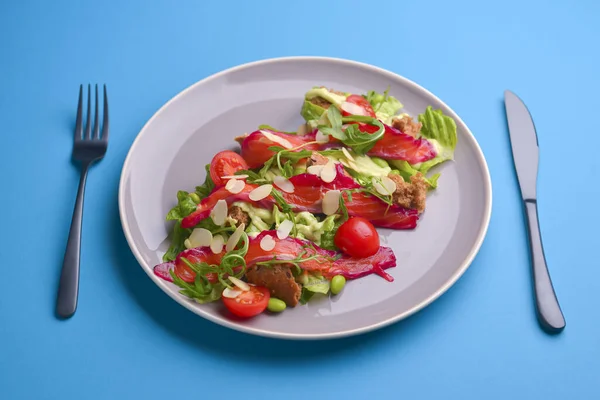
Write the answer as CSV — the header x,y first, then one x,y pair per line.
x,y
362,103
357,237
249,303
226,163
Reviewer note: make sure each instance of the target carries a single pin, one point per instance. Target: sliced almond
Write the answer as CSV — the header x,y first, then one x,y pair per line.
x,y
388,184
315,169
267,243
384,186
240,176
235,186
235,237
219,212
200,237
188,244
353,109
331,202
260,192
321,137
284,229
216,246
347,154
302,130
239,283
353,165
329,172
284,184
277,139
231,293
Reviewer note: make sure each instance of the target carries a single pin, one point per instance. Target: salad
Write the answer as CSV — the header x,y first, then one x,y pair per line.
x,y
293,214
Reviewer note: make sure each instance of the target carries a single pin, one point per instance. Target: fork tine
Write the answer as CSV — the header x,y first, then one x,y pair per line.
x,y
105,122
88,123
96,128
79,116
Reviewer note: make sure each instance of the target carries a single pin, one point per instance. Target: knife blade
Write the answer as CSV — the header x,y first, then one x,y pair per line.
x,y
525,150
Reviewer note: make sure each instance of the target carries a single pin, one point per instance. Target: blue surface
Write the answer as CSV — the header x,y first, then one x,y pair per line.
x,y
129,340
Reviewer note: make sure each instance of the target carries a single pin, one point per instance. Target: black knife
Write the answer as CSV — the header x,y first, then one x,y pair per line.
x,y
525,150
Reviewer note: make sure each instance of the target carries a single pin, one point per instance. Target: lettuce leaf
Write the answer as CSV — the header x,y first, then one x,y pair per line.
x,y
405,170
208,185
440,130
311,113
384,105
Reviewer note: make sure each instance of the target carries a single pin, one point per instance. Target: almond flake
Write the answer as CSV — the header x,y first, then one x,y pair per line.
x,y
284,229
283,184
219,212
235,237
329,172
216,246
239,283
235,186
347,154
331,202
260,192
200,237
267,243
315,169
277,139
231,293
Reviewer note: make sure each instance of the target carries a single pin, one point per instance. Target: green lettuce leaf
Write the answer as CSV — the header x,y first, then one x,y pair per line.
x,y
311,113
208,186
405,170
314,282
440,130
384,105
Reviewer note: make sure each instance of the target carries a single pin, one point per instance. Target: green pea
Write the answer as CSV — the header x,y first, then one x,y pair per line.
x,y
195,197
337,284
276,305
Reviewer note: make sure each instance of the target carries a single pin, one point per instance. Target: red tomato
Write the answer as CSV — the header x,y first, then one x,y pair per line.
x,y
357,237
362,103
226,163
250,303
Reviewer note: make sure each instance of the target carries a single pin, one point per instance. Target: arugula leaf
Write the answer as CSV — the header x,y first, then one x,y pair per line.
x,y
269,127
178,237
343,208
208,186
201,291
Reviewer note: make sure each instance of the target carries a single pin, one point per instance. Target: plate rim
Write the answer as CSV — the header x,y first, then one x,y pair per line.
x,y
483,228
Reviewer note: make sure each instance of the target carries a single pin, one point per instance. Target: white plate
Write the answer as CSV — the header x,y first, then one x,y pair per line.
x,y
170,152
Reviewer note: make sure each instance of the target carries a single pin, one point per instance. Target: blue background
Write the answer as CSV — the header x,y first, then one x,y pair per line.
x,y
129,340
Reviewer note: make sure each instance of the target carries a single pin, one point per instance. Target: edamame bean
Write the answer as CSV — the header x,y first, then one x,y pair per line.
x,y
276,305
337,284
195,197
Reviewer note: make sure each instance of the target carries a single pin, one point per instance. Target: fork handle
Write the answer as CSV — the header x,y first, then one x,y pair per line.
x,y
68,289
548,310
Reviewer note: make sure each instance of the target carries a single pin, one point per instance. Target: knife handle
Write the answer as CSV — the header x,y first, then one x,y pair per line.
x,y
548,310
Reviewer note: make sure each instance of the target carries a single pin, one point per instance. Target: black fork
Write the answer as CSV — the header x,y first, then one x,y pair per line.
x,y
88,147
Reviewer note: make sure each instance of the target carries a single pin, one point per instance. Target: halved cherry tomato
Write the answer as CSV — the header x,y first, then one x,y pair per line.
x,y
249,303
357,237
226,163
366,108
